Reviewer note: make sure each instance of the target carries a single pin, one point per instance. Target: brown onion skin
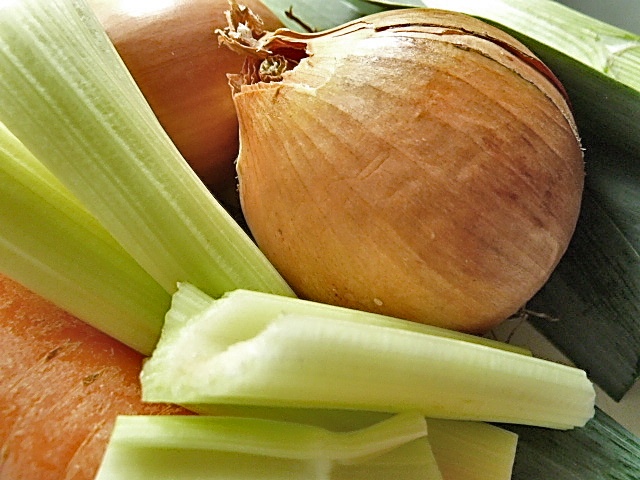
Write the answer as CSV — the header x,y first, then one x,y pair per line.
x,y
173,54
434,180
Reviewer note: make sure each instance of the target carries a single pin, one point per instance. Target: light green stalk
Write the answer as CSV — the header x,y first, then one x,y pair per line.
x,y
68,97
259,349
195,447
52,245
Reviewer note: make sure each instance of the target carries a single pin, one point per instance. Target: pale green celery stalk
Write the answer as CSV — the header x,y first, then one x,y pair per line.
x,y
52,245
189,302
463,450
68,97
246,349
186,447
472,450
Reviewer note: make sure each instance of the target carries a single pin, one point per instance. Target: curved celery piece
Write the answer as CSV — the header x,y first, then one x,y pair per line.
x,y
66,94
190,447
463,450
246,349
52,245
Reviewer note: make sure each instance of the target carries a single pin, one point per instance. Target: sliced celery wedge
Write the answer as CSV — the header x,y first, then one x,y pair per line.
x,y
472,450
259,349
463,450
196,447
52,245
68,97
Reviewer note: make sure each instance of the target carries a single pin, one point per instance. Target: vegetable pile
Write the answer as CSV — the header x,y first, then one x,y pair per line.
x,y
102,214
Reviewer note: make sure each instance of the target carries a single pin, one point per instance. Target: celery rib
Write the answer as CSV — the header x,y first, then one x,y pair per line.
x,y
316,359
52,245
70,100
238,448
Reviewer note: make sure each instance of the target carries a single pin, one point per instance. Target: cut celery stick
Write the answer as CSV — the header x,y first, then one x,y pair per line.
x,y
282,357
472,450
52,245
463,450
189,301
174,447
68,97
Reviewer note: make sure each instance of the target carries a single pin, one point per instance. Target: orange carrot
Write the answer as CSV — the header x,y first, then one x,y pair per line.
x,y
62,383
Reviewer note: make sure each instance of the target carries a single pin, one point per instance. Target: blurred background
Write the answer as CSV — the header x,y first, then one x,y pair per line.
x,y
622,13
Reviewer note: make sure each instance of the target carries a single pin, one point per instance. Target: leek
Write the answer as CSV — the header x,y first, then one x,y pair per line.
x,y
599,326
601,450
52,245
253,348
68,97
173,447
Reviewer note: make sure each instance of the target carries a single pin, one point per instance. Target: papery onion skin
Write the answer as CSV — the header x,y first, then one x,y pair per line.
x,y
415,163
172,52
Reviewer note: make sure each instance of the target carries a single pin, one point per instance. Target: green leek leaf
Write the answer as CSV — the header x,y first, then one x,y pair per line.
x,y
601,450
594,295
305,15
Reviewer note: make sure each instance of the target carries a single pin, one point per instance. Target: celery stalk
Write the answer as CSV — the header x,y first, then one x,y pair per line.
x,y
463,450
68,97
227,448
189,301
472,450
244,349
52,245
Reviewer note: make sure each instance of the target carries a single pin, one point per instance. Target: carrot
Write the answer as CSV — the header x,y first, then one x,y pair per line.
x,y
62,383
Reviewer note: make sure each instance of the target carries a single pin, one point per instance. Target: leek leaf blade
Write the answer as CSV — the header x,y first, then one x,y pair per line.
x,y
602,449
595,296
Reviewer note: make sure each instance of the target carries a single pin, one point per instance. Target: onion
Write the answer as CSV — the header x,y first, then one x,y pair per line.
x,y
416,163
172,52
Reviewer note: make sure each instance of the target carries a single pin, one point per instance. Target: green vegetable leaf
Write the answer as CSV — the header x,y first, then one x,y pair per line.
x,y
601,450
